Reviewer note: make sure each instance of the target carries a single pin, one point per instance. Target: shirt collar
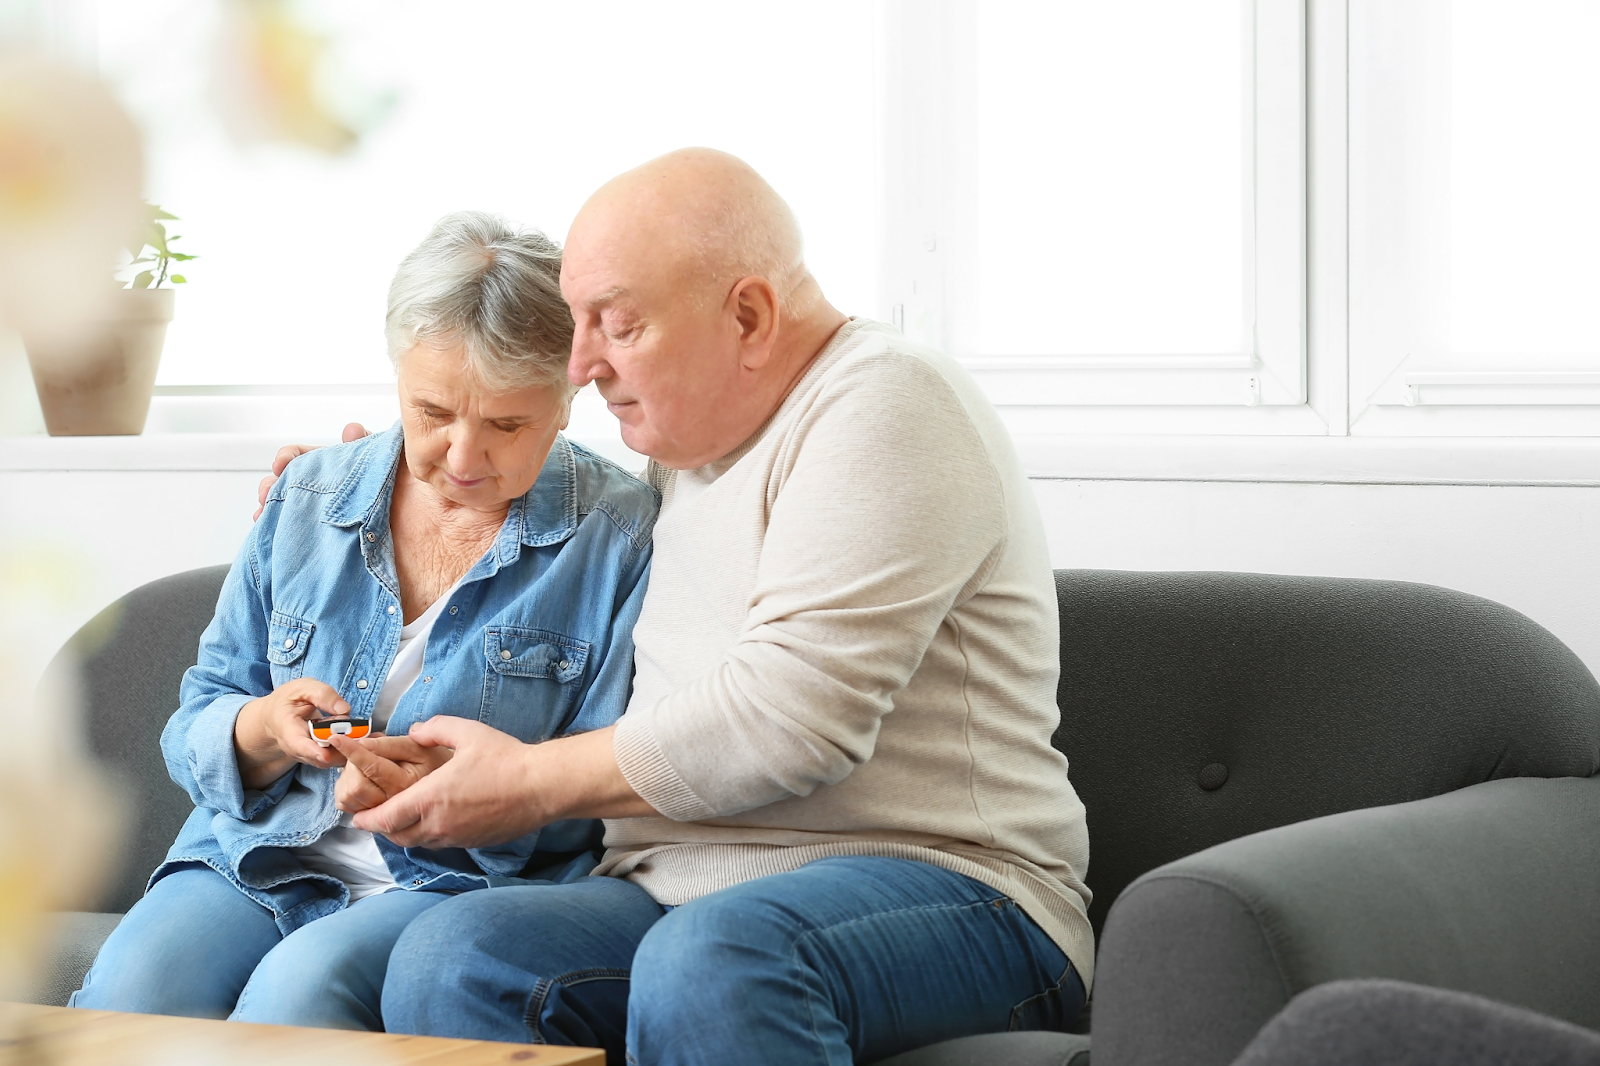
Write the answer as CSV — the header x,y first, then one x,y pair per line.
x,y
546,514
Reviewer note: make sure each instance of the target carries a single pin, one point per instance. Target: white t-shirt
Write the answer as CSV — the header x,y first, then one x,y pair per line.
x,y
348,853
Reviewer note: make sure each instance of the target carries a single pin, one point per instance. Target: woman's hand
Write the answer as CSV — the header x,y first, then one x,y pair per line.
x,y
379,767
270,734
288,454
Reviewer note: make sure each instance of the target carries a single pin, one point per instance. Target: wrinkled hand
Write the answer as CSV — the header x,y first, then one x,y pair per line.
x,y
290,452
484,795
270,734
379,767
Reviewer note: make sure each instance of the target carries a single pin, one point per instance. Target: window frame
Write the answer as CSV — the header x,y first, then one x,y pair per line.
x,y
930,242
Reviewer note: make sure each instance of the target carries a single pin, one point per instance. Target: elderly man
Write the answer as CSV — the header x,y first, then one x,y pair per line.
x,y
836,828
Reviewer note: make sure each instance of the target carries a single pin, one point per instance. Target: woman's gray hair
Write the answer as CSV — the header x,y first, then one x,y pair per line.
x,y
478,282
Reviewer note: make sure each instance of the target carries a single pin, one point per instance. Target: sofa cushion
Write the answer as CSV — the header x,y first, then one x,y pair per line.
x,y
74,943
1000,1049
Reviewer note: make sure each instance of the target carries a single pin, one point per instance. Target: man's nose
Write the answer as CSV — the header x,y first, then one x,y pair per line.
x,y
585,364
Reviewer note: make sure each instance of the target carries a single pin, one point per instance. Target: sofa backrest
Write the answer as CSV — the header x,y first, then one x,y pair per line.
x,y
129,661
1200,707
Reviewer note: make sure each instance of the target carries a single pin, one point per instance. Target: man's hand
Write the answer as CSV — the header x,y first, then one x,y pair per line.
x,y
290,452
497,788
379,767
270,734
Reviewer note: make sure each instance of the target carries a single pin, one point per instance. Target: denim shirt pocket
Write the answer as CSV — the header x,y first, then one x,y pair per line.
x,y
288,638
533,680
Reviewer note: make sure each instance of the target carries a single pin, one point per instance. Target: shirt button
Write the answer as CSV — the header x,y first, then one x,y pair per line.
x,y
362,683
562,665
417,882
288,642
426,680
391,608
452,610
372,536
504,654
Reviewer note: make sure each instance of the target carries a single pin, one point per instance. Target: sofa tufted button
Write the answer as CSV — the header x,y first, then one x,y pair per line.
x,y
1213,776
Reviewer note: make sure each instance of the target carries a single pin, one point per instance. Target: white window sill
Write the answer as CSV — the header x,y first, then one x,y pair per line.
x,y
1549,461
240,428
1553,461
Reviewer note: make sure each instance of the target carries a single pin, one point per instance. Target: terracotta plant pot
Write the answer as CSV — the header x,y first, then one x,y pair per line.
x,y
100,384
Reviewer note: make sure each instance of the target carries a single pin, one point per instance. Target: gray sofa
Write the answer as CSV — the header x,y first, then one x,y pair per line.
x,y
1289,781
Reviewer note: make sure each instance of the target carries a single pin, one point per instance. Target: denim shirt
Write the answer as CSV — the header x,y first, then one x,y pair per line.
x,y
536,642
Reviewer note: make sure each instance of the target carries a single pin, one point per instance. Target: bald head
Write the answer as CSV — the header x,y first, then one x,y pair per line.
x,y
693,309
710,216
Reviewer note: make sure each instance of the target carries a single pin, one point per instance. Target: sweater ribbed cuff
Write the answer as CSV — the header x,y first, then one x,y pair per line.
x,y
646,768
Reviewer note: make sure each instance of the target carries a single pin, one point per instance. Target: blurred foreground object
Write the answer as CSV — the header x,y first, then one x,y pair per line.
x,y
63,1037
70,175
276,81
60,822
98,382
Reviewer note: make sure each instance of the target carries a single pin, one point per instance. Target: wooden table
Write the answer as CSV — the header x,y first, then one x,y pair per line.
x,y
56,1036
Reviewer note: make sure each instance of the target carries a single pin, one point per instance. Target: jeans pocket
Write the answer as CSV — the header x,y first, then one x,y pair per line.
x,y
1054,1009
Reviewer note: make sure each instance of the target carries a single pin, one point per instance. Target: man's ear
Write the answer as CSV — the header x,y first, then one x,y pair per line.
x,y
755,308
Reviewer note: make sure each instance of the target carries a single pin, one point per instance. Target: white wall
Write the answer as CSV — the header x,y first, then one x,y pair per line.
x,y
1530,547
86,520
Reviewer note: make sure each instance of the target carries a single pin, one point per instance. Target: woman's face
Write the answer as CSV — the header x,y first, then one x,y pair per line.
x,y
477,448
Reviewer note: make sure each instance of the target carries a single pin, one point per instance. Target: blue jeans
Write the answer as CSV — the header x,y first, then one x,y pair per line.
x,y
197,946
843,960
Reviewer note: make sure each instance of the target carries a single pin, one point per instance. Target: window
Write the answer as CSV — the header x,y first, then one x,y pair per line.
x,y
1116,214
522,109
1474,216
1171,216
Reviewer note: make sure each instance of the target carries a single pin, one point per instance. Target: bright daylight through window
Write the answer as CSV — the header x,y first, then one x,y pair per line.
x,y
1113,161
490,104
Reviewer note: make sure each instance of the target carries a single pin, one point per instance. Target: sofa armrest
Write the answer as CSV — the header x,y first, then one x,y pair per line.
x,y
74,943
1492,890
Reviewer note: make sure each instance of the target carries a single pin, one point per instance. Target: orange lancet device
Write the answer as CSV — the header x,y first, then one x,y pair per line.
x,y
342,724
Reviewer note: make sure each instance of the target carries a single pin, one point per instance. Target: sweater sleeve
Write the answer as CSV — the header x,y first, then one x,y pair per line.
x,y
886,513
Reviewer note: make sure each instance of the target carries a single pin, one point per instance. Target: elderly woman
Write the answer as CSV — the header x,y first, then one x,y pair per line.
x,y
470,561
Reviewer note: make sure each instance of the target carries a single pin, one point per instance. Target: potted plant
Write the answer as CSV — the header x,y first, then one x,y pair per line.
x,y
100,383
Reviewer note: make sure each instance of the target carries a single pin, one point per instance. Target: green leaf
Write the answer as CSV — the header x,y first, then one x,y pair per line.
x,y
179,279
181,257
158,213
143,279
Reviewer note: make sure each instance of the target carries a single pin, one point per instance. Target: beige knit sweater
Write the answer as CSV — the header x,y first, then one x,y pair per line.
x,y
849,646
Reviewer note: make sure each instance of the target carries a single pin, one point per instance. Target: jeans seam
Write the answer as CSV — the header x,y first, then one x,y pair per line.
x,y
543,987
